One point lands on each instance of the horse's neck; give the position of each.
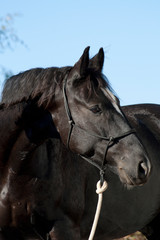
(19, 155)
(9, 129)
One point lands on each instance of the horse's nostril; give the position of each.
(143, 170)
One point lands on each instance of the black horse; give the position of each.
(86, 114)
(52, 191)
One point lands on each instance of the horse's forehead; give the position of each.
(110, 96)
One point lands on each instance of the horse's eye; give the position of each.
(95, 109)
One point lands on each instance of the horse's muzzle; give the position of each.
(137, 176)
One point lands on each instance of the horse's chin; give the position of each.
(128, 180)
(125, 179)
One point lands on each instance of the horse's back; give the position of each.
(147, 115)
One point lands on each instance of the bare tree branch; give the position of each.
(8, 35)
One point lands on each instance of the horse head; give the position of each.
(90, 122)
(86, 114)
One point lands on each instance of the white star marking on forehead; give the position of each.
(112, 99)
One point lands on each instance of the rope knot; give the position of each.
(101, 188)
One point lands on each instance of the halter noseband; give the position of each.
(110, 140)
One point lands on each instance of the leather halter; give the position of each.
(110, 140)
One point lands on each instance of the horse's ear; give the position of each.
(97, 61)
(80, 68)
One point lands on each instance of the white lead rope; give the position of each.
(99, 191)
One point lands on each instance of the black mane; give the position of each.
(40, 84)
(34, 83)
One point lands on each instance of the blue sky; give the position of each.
(56, 33)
